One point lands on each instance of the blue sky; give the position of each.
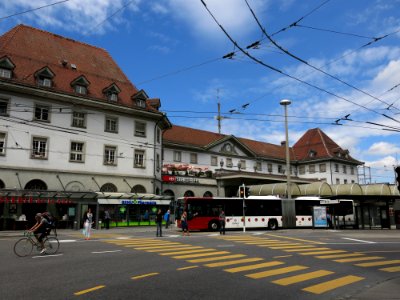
(173, 50)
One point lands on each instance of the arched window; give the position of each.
(2, 185)
(36, 184)
(188, 194)
(109, 188)
(139, 189)
(169, 193)
(208, 194)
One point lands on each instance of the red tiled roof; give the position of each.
(201, 138)
(323, 146)
(31, 49)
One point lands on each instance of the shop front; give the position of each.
(129, 209)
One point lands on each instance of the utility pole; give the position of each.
(219, 117)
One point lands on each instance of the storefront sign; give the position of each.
(178, 179)
(136, 201)
(33, 200)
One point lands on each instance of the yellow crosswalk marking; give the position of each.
(292, 247)
(306, 250)
(391, 269)
(199, 255)
(332, 284)
(183, 247)
(149, 244)
(295, 239)
(89, 290)
(254, 267)
(201, 260)
(263, 242)
(278, 244)
(324, 252)
(340, 255)
(358, 259)
(188, 251)
(233, 262)
(166, 246)
(302, 277)
(379, 263)
(276, 272)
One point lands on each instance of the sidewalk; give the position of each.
(383, 291)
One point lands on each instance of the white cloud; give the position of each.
(383, 148)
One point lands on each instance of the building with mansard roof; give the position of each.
(71, 124)
(203, 163)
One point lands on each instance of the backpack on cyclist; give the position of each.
(50, 220)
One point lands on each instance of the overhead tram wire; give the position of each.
(310, 65)
(334, 31)
(280, 71)
(33, 9)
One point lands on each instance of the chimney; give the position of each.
(283, 143)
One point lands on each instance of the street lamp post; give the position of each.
(285, 103)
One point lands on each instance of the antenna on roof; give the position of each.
(73, 66)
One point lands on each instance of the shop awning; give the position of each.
(274, 189)
(320, 189)
(40, 196)
(352, 189)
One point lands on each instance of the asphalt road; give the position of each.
(133, 263)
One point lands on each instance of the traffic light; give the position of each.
(397, 171)
(244, 191)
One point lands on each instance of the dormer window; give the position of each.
(80, 85)
(112, 92)
(140, 99)
(44, 77)
(312, 153)
(6, 67)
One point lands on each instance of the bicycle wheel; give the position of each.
(51, 244)
(23, 247)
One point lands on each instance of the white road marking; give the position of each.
(111, 251)
(46, 255)
(361, 241)
(67, 241)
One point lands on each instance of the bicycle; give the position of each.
(24, 246)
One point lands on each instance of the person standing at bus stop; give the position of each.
(222, 222)
(159, 218)
(166, 218)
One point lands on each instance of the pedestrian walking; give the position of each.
(184, 224)
(107, 218)
(222, 222)
(87, 224)
(159, 218)
(166, 218)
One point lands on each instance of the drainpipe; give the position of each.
(155, 171)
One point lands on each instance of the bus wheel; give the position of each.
(272, 225)
(213, 226)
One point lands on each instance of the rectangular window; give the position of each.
(177, 156)
(229, 163)
(141, 103)
(344, 169)
(80, 89)
(337, 181)
(46, 82)
(158, 135)
(258, 166)
(242, 164)
(322, 168)
(269, 166)
(112, 97)
(79, 119)
(280, 169)
(77, 152)
(3, 107)
(311, 169)
(336, 168)
(214, 161)
(345, 181)
(193, 158)
(139, 159)
(2, 143)
(302, 170)
(42, 113)
(39, 148)
(110, 155)
(111, 124)
(140, 128)
(5, 73)
(352, 170)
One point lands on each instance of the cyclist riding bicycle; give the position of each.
(40, 230)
